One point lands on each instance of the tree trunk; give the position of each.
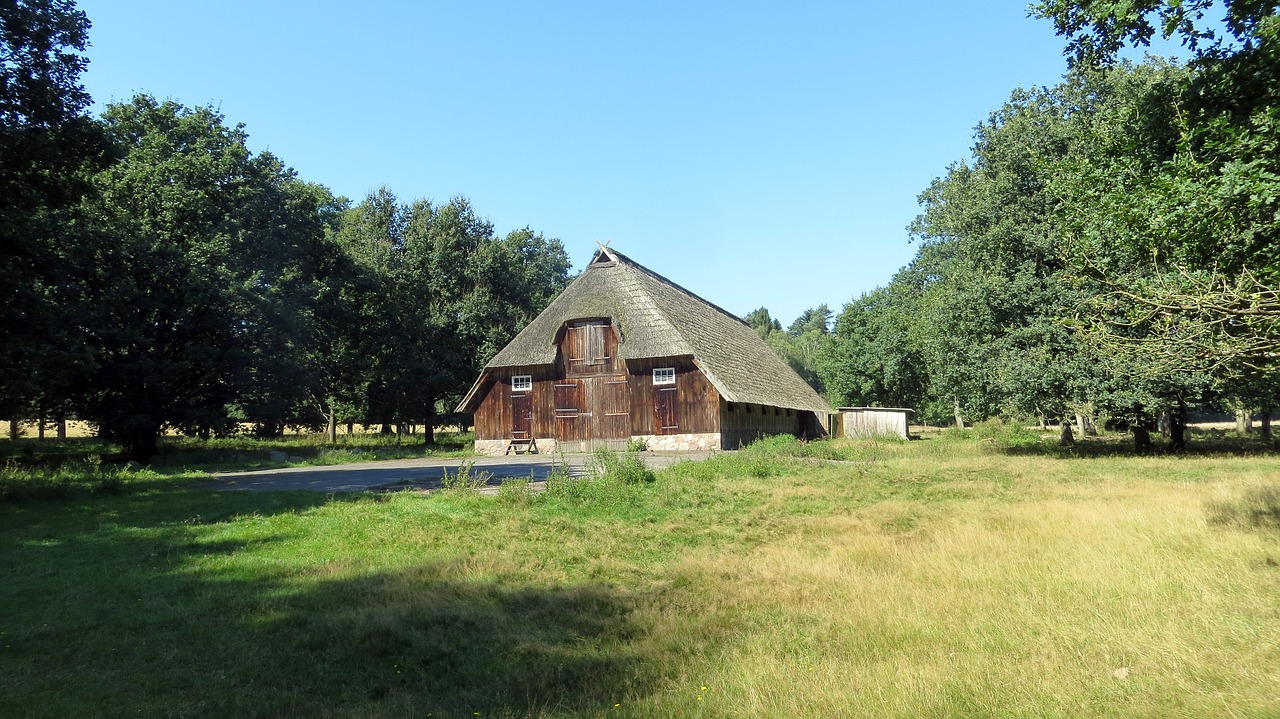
(1243, 420)
(959, 417)
(62, 427)
(429, 425)
(40, 428)
(1141, 438)
(13, 429)
(141, 445)
(1265, 430)
(351, 428)
(1178, 427)
(1066, 439)
(1084, 423)
(386, 429)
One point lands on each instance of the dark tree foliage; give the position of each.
(872, 358)
(1171, 205)
(194, 283)
(440, 294)
(1096, 30)
(762, 322)
(48, 149)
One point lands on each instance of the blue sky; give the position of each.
(760, 154)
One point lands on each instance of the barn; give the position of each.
(625, 354)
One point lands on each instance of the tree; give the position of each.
(190, 288)
(442, 294)
(871, 359)
(1096, 30)
(992, 293)
(760, 321)
(815, 319)
(1172, 211)
(48, 149)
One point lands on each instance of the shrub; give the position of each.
(464, 480)
(626, 468)
(516, 491)
(611, 482)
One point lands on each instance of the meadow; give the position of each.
(985, 576)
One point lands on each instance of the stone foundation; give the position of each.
(680, 442)
(652, 442)
(498, 447)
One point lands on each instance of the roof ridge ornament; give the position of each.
(604, 254)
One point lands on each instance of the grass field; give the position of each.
(940, 578)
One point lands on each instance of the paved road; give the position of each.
(415, 473)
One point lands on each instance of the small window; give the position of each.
(664, 375)
(522, 383)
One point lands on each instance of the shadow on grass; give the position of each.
(184, 454)
(217, 604)
(1198, 445)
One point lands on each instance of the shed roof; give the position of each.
(657, 318)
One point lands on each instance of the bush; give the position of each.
(464, 480)
(516, 491)
(612, 482)
(626, 468)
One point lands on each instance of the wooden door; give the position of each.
(615, 408)
(665, 419)
(521, 416)
(569, 420)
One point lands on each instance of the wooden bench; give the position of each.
(523, 446)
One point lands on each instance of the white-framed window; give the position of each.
(522, 383)
(664, 375)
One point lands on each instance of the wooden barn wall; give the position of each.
(744, 423)
(697, 406)
(589, 393)
(591, 408)
(493, 417)
(875, 423)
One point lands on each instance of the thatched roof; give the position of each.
(657, 318)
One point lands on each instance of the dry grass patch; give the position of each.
(1118, 601)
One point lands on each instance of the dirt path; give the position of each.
(422, 474)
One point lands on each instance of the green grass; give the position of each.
(878, 579)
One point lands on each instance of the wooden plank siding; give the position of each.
(618, 406)
(743, 423)
(494, 418)
(614, 406)
(696, 406)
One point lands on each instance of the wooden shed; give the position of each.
(625, 354)
(867, 422)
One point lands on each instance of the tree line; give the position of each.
(157, 274)
(1109, 251)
